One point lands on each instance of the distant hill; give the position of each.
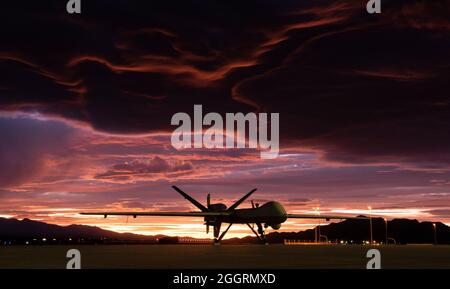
(26, 229)
(403, 231)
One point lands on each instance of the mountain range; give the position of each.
(400, 231)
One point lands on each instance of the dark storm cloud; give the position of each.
(361, 87)
(25, 145)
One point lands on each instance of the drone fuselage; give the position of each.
(271, 214)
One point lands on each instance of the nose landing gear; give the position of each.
(218, 238)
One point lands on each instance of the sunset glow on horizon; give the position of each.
(86, 103)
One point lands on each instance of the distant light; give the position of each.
(26, 243)
(369, 207)
(44, 239)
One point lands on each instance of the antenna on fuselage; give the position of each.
(254, 206)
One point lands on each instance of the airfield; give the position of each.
(226, 256)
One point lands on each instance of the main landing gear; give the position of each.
(260, 233)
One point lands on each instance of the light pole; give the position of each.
(370, 220)
(386, 232)
(315, 235)
(435, 237)
(318, 213)
(317, 230)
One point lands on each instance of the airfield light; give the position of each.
(435, 237)
(386, 230)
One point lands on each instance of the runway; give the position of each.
(225, 256)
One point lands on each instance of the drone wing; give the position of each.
(327, 217)
(135, 214)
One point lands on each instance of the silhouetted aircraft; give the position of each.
(271, 214)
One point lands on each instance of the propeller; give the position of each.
(208, 202)
(253, 206)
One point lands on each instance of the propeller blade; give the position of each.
(207, 228)
(235, 205)
(190, 199)
(253, 204)
(208, 200)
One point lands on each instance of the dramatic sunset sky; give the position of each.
(86, 102)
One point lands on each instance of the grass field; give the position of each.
(225, 256)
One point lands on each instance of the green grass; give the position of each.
(225, 256)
